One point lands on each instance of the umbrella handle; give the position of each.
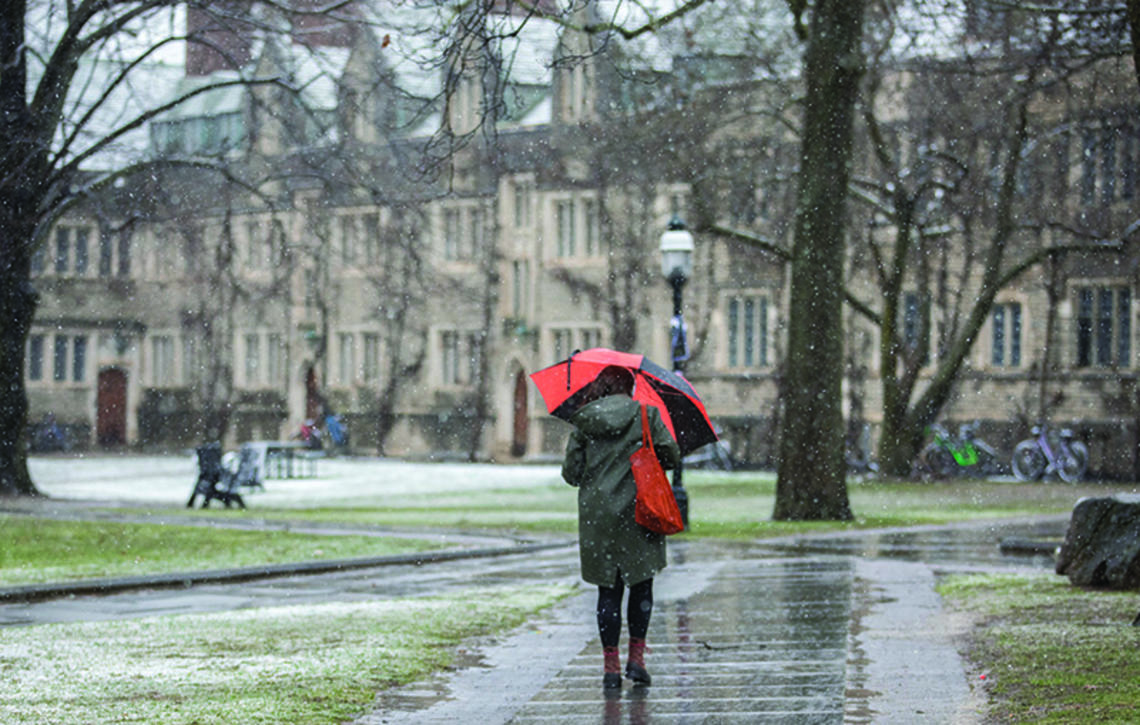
(569, 362)
(646, 435)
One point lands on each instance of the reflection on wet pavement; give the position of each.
(766, 641)
(977, 544)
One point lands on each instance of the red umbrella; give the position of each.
(563, 389)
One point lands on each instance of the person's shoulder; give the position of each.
(622, 403)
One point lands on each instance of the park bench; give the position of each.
(251, 466)
(217, 481)
(285, 459)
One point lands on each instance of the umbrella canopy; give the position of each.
(563, 387)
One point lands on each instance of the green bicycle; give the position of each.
(948, 454)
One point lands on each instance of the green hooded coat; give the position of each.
(606, 432)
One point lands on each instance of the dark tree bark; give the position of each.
(1134, 28)
(400, 293)
(482, 413)
(21, 166)
(17, 306)
(811, 483)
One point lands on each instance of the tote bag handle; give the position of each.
(656, 508)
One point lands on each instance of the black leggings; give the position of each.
(609, 610)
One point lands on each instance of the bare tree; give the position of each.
(228, 262)
(401, 293)
(956, 194)
(70, 96)
(944, 197)
(811, 480)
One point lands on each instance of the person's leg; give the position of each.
(640, 608)
(609, 628)
(609, 614)
(639, 612)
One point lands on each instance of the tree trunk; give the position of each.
(898, 441)
(23, 166)
(1134, 29)
(17, 307)
(1054, 291)
(811, 481)
(482, 415)
(896, 445)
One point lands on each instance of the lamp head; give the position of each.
(676, 251)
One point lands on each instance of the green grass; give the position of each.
(550, 508)
(307, 665)
(723, 505)
(740, 505)
(43, 550)
(1050, 652)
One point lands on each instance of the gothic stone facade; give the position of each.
(416, 306)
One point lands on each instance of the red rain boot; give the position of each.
(611, 680)
(635, 665)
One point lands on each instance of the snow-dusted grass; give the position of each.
(347, 490)
(296, 664)
(540, 507)
(733, 505)
(348, 482)
(1045, 651)
(44, 550)
(534, 498)
(740, 505)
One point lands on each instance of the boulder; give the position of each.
(1102, 546)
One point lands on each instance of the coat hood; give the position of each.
(607, 417)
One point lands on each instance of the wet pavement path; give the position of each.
(834, 629)
(761, 641)
(380, 582)
(823, 629)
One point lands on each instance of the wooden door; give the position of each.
(312, 394)
(111, 408)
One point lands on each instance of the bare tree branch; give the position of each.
(784, 255)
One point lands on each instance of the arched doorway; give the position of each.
(111, 408)
(521, 423)
(312, 394)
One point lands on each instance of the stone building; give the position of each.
(410, 240)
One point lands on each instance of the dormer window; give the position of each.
(466, 105)
(576, 101)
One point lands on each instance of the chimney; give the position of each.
(217, 39)
(335, 29)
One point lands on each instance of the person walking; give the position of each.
(615, 551)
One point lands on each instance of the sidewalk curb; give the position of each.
(901, 653)
(112, 585)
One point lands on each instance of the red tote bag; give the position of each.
(656, 508)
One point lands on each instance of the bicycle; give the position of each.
(948, 454)
(1036, 457)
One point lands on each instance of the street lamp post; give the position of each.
(677, 267)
